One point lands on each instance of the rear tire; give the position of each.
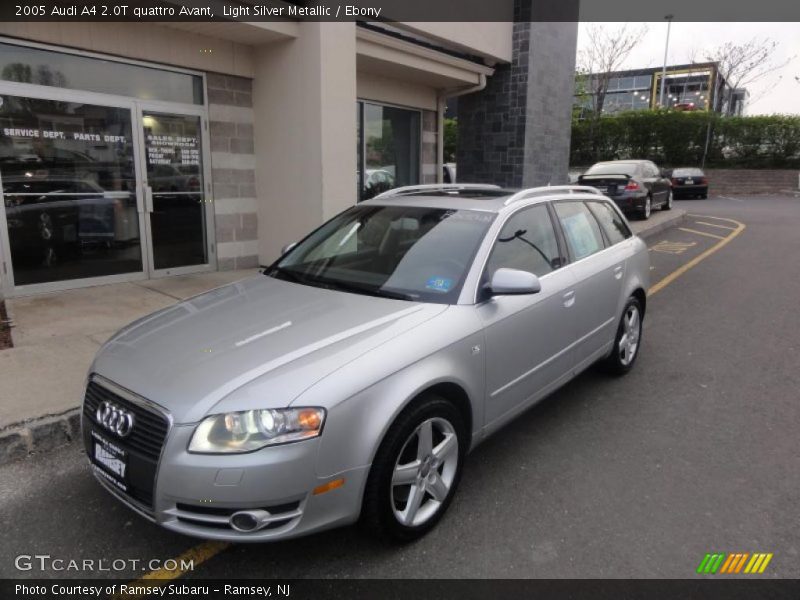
(668, 204)
(416, 471)
(645, 212)
(627, 341)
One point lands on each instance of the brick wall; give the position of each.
(429, 139)
(516, 131)
(743, 182)
(230, 109)
(491, 123)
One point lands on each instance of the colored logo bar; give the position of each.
(734, 562)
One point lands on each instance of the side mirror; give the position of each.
(288, 247)
(513, 281)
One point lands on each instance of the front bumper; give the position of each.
(195, 494)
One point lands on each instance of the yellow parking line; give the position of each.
(716, 225)
(699, 258)
(711, 235)
(161, 577)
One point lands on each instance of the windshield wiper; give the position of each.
(288, 274)
(346, 286)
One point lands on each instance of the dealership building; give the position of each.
(131, 151)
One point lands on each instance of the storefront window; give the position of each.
(69, 191)
(389, 148)
(22, 64)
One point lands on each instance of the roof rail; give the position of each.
(410, 189)
(548, 190)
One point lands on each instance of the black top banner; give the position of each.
(400, 10)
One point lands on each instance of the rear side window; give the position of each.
(614, 227)
(580, 228)
(527, 242)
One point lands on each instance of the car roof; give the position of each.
(478, 197)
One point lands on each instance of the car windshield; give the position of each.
(620, 168)
(687, 173)
(403, 252)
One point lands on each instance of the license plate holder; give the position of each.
(689, 181)
(110, 461)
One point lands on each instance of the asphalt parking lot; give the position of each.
(695, 451)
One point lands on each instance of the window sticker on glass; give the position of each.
(580, 234)
(439, 284)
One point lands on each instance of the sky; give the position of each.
(775, 93)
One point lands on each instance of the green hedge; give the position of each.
(671, 139)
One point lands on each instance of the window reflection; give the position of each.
(58, 69)
(388, 150)
(69, 190)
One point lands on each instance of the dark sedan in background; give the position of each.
(689, 183)
(636, 186)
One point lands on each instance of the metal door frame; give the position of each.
(136, 108)
(169, 109)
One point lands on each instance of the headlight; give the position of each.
(254, 429)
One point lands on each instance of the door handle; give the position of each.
(618, 272)
(148, 199)
(569, 298)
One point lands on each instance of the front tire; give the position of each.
(628, 339)
(416, 471)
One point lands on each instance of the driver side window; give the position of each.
(527, 242)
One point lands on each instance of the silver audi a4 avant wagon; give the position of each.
(350, 380)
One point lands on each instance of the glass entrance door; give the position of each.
(175, 192)
(69, 191)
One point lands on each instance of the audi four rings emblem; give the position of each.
(114, 418)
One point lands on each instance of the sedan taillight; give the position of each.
(632, 186)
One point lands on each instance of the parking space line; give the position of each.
(711, 235)
(161, 577)
(660, 285)
(715, 225)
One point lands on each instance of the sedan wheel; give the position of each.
(648, 207)
(415, 471)
(668, 204)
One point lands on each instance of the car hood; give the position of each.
(192, 355)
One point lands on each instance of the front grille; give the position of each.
(143, 445)
(149, 430)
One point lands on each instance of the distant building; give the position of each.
(696, 86)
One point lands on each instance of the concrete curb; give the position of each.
(41, 434)
(657, 228)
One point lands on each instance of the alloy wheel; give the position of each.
(424, 472)
(647, 207)
(669, 200)
(632, 329)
